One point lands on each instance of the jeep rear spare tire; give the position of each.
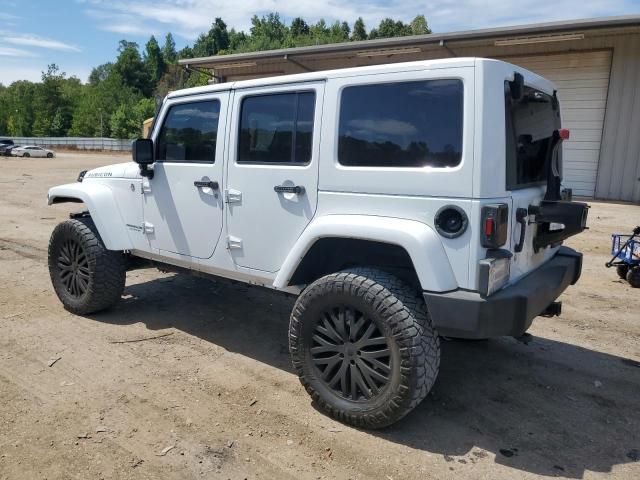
(86, 276)
(363, 346)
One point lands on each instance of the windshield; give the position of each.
(530, 123)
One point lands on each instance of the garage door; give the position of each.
(582, 80)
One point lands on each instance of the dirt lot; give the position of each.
(215, 397)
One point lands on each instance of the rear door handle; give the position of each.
(521, 218)
(297, 189)
(210, 184)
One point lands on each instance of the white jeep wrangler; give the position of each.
(399, 202)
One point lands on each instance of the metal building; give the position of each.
(594, 62)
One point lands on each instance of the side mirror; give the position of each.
(142, 152)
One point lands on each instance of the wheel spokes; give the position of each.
(351, 353)
(73, 268)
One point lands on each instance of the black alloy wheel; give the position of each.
(73, 268)
(351, 354)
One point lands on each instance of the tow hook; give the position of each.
(553, 310)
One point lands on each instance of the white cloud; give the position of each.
(29, 40)
(15, 52)
(189, 18)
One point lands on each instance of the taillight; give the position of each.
(495, 223)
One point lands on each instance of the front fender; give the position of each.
(99, 200)
(419, 240)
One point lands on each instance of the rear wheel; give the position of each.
(86, 276)
(622, 271)
(363, 346)
(633, 277)
(49, 155)
(26, 154)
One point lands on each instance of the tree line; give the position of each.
(119, 95)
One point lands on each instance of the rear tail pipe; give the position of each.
(553, 310)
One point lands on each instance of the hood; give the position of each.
(118, 170)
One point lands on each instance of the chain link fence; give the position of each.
(75, 143)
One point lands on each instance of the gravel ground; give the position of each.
(214, 396)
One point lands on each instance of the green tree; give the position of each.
(339, 32)
(299, 27)
(126, 121)
(214, 41)
(50, 103)
(169, 50)
(237, 41)
(20, 102)
(100, 73)
(154, 61)
(359, 31)
(267, 32)
(96, 105)
(419, 26)
(131, 69)
(390, 28)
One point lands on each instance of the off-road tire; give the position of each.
(400, 315)
(103, 271)
(622, 271)
(633, 277)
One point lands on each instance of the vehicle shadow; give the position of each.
(544, 407)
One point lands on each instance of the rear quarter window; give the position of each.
(404, 124)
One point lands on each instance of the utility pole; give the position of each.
(101, 134)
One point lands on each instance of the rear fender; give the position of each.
(419, 240)
(99, 200)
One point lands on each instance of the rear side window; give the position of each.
(530, 123)
(277, 128)
(409, 124)
(189, 133)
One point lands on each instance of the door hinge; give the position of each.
(233, 242)
(232, 196)
(148, 228)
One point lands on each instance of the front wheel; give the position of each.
(49, 155)
(364, 347)
(86, 276)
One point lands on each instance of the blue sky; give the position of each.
(81, 34)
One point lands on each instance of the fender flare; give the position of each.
(419, 240)
(102, 206)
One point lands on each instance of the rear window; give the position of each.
(408, 124)
(276, 129)
(530, 123)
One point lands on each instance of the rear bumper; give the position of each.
(510, 311)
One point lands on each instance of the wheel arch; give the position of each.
(330, 238)
(103, 208)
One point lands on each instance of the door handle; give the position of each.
(210, 184)
(297, 189)
(521, 218)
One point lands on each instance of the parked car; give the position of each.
(7, 150)
(6, 141)
(32, 151)
(397, 202)
(6, 146)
